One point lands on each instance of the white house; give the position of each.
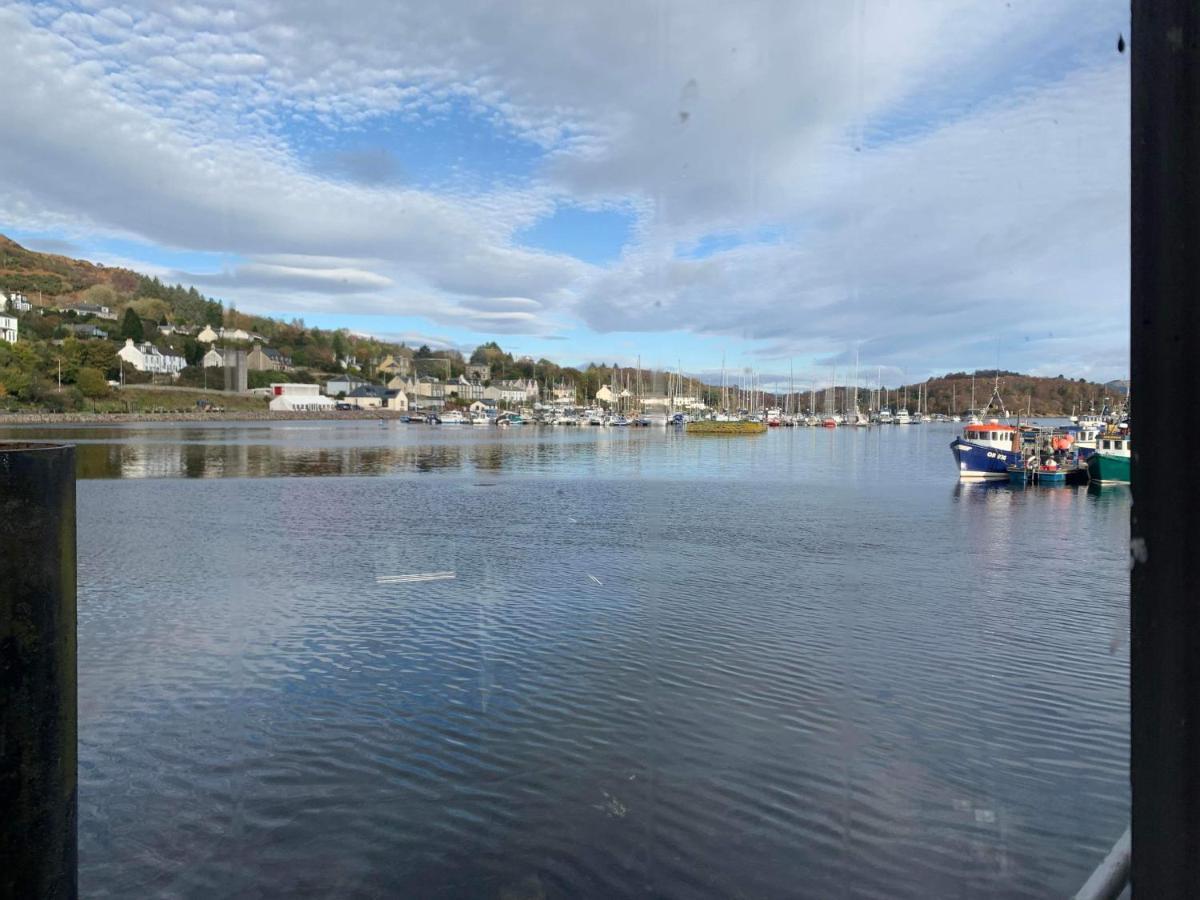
(236, 334)
(8, 328)
(95, 309)
(145, 357)
(18, 303)
(299, 398)
(369, 396)
(518, 391)
(504, 393)
(605, 394)
(207, 335)
(213, 359)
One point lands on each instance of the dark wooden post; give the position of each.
(1165, 526)
(38, 838)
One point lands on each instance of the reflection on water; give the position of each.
(805, 663)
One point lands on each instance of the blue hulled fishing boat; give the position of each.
(986, 451)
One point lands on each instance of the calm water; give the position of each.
(803, 664)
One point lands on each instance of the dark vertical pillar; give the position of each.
(37, 672)
(1165, 525)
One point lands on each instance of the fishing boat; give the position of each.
(1110, 463)
(985, 451)
(1049, 470)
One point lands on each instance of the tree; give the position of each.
(131, 325)
(214, 315)
(340, 348)
(481, 357)
(193, 353)
(101, 295)
(91, 383)
(423, 352)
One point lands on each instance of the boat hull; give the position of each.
(1104, 468)
(979, 462)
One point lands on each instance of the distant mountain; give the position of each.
(1120, 386)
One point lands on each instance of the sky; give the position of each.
(785, 186)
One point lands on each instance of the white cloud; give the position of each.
(938, 174)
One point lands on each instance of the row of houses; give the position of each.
(259, 359)
(145, 357)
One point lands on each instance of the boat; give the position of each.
(620, 422)
(885, 416)
(454, 417)
(774, 417)
(1110, 463)
(985, 451)
(829, 422)
(480, 419)
(1049, 470)
(902, 418)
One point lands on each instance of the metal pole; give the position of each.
(1165, 522)
(38, 840)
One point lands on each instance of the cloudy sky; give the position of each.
(929, 185)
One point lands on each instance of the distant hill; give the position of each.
(54, 276)
(952, 395)
(50, 280)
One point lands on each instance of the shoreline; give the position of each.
(233, 415)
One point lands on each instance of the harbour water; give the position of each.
(805, 663)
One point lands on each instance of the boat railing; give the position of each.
(1112, 875)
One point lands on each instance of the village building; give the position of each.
(343, 384)
(265, 359)
(299, 398)
(85, 331)
(394, 365)
(8, 328)
(95, 309)
(463, 389)
(145, 357)
(16, 301)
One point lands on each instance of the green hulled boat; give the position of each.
(1110, 463)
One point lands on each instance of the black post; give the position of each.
(1165, 524)
(38, 840)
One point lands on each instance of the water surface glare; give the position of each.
(807, 663)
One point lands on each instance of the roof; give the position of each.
(368, 390)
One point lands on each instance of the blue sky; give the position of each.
(925, 184)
